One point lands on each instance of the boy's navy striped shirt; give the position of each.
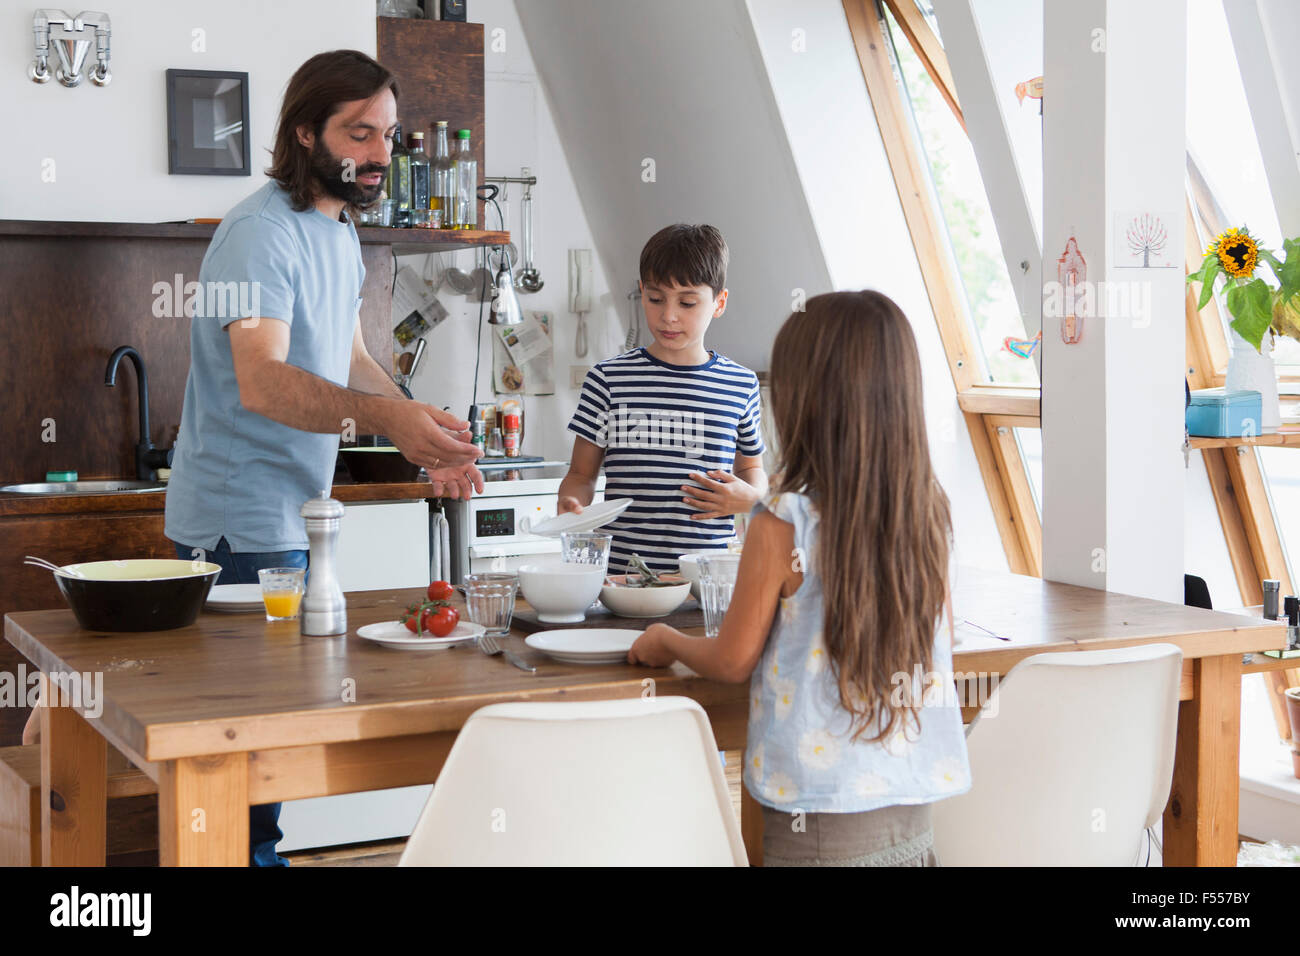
(657, 423)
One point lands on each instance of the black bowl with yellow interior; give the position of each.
(151, 594)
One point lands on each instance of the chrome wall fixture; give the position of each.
(71, 39)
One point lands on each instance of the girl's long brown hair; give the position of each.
(315, 92)
(849, 417)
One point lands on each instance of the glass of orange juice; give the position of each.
(282, 592)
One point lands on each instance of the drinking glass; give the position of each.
(717, 581)
(587, 547)
(282, 592)
(490, 598)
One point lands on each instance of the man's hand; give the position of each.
(428, 436)
(456, 482)
(566, 504)
(718, 494)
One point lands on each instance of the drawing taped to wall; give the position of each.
(1072, 274)
(1142, 241)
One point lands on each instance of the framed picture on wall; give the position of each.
(207, 123)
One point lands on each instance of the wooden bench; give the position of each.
(132, 808)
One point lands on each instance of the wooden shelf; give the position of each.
(1288, 436)
(404, 241)
(1018, 400)
(415, 242)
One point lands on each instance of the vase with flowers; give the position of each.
(1259, 309)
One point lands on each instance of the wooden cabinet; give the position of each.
(439, 70)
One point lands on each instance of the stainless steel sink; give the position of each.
(111, 487)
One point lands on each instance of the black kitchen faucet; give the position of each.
(148, 459)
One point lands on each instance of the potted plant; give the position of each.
(1256, 308)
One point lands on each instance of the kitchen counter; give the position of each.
(15, 504)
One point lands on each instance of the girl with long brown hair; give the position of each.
(835, 618)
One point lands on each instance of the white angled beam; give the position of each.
(1263, 35)
(1112, 408)
(999, 170)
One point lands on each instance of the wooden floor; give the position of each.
(387, 852)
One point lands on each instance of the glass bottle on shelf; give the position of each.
(419, 175)
(442, 174)
(401, 167)
(464, 214)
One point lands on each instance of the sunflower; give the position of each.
(1237, 251)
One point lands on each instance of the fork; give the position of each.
(489, 646)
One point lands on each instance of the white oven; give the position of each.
(485, 532)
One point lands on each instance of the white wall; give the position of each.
(521, 131)
(822, 99)
(680, 83)
(109, 145)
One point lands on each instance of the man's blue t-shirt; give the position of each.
(235, 473)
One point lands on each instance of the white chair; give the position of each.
(597, 783)
(1071, 760)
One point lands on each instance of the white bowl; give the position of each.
(642, 602)
(688, 565)
(560, 593)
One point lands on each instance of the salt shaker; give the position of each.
(323, 609)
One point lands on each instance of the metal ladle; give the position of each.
(528, 280)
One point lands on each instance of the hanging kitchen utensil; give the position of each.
(481, 279)
(497, 257)
(460, 281)
(529, 279)
(634, 321)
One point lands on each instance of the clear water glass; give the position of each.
(586, 547)
(717, 581)
(490, 599)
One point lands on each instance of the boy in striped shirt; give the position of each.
(676, 426)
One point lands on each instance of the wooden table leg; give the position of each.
(74, 789)
(751, 827)
(1200, 822)
(203, 811)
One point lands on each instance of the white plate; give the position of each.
(591, 518)
(395, 634)
(235, 598)
(585, 645)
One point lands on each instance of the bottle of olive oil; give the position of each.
(441, 178)
(465, 208)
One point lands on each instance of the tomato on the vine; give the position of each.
(441, 621)
(440, 591)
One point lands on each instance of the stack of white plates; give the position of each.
(235, 599)
(585, 645)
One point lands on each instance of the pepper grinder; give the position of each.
(1272, 590)
(324, 611)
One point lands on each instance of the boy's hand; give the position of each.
(566, 504)
(649, 648)
(722, 494)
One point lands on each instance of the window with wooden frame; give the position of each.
(994, 412)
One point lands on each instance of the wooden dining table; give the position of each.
(234, 711)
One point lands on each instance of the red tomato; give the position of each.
(442, 621)
(440, 591)
(411, 620)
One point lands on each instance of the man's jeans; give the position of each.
(264, 820)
